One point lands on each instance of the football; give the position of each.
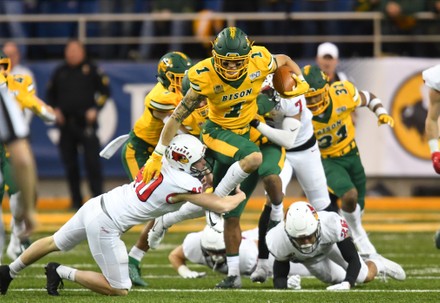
(282, 79)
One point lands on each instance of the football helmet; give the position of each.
(303, 227)
(171, 69)
(213, 246)
(5, 62)
(231, 46)
(183, 152)
(317, 95)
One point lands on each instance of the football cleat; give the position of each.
(134, 271)
(260, 274)
(16, 247)
(157, 233)
(215, 221)
(54, 281)
(5, 279)
(230, 282)
(391, 269)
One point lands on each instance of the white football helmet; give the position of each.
(213, 246)
(303, 227)
(183, 151)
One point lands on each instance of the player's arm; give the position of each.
(190, 102)
(211, 201)
(351, 256)
(375, 105)
(165, 116)
(432, 127)
(284, 137)
(280, 271)
(301, 85)
(178, 262)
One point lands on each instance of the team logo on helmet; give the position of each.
(178, 157)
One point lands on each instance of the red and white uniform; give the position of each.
(305, 161)
(325, 262)
(103, 219)
(248, 253)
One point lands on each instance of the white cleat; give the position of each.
(215, 221)
(157, 233)
(391, 269)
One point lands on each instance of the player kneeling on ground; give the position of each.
(103, 219)
(320, 241)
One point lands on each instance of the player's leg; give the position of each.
(134, 154)
(273, 161)
(310, 174)
(339, 180)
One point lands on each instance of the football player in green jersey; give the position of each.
(332, 106)
(231, 80)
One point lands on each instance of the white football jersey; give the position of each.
(334, 229)
(431, 76)
(137, 202)
(289, 108)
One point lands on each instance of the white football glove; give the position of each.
(187, 273)
(294, 282)
(341, 286)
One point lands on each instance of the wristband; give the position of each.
(160, 149)
(372, 104)
(183, 270)
(380, 111)
(433, 145)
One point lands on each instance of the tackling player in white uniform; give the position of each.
(320, 241)
(207, 247)
(103, 219)
(431, 76)
(292, 129)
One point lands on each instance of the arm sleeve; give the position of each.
(349, 253)
(280, 271)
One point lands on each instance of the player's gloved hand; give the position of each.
(255, 123)
(294, 282)
(270, 92)
(385, 119)
(341, 286)
(435, 157)
(152, 167)
(301, 86)
(187, 273)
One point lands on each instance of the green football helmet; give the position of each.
(5, 62)
(317, 96)
(231, 46)
(171, 69)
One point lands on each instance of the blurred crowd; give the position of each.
(399, 20)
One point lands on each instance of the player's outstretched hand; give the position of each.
(152, 167)
(385, 119)
(341, 286)
(187, 273)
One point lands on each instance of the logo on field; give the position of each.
(409, 109)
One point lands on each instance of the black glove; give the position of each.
(255, 123)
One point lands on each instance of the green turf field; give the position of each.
(414, 251)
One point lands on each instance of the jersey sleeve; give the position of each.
(333, 226)
(278, 243)
(161, 99)
(263, 60)
(200, 76)
(431, 76)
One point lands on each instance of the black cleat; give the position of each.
(230, 282)
(5, 279)
(54, 280)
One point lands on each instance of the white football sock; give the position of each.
(15, 267)
(66, 272)
(277, 212)
(233, 265)
(136, 253)
(234, 176)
